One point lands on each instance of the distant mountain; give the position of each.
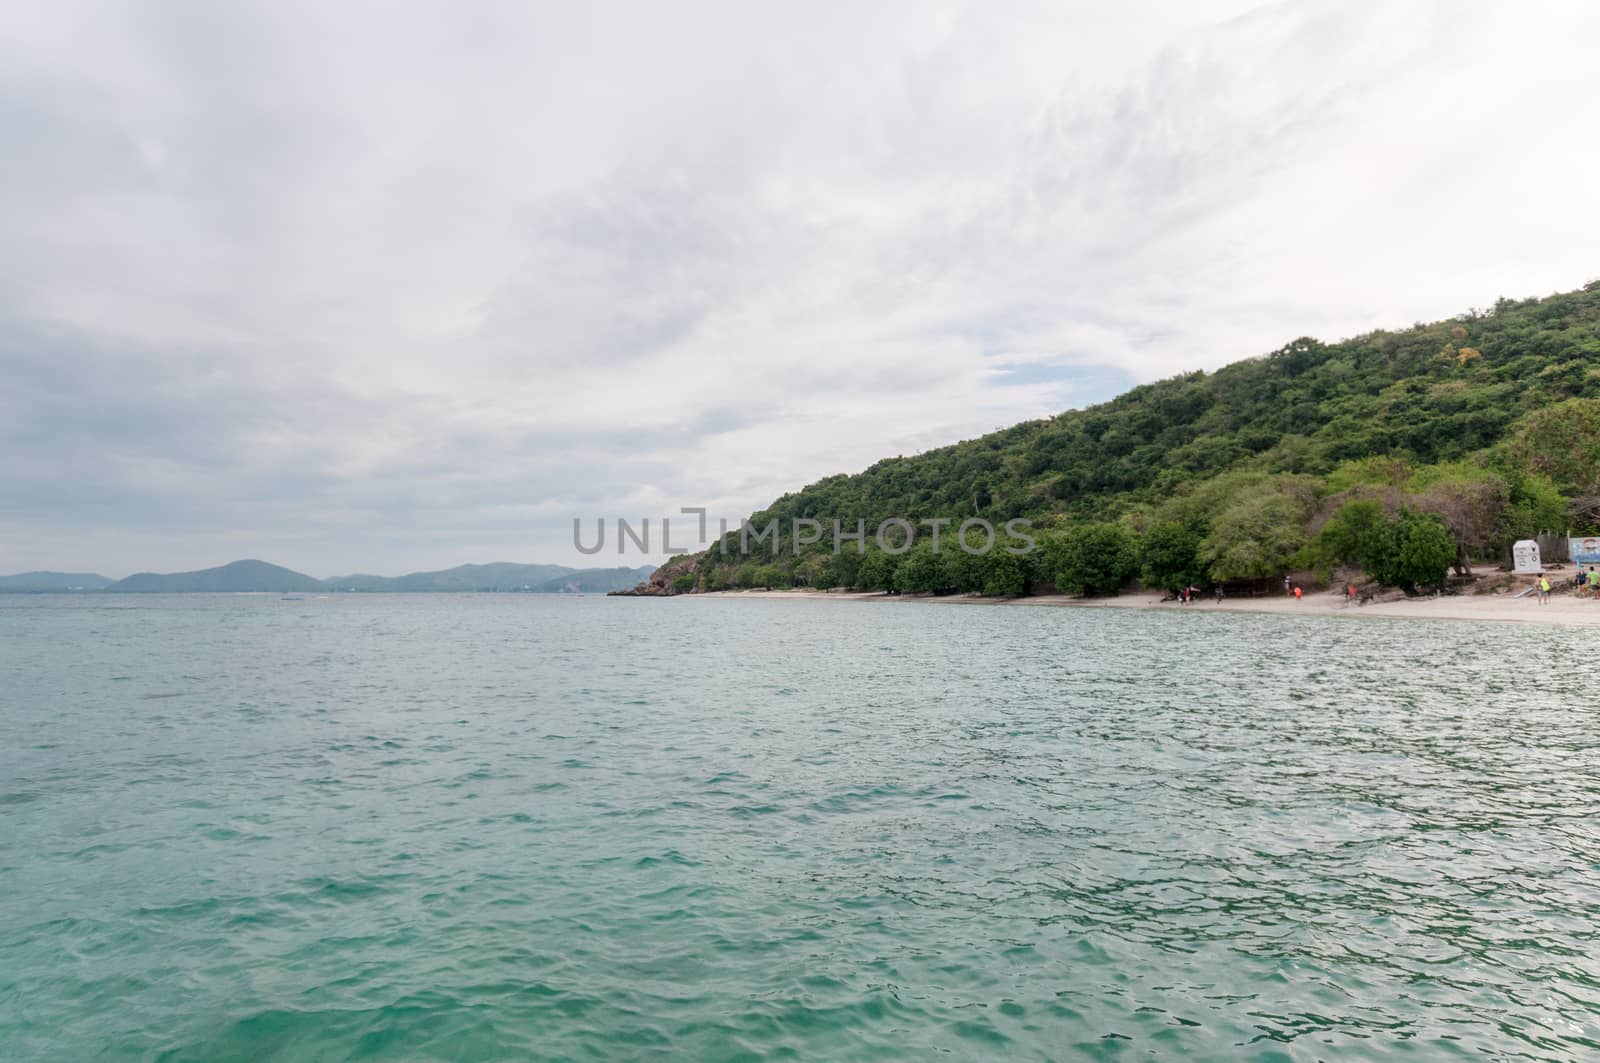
(54, 581)
(238, 576)
(499, 576)
(259, 576)
(596, 580)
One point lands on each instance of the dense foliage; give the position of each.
(1093, 558)
(1170, 558)
(1405, 549)
(1484, 428)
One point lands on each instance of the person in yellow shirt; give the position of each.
(1544, 590)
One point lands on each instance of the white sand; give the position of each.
(1564, 608)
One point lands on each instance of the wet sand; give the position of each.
(1563, 608)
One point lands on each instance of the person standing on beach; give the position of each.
(1288, 586)
(1297, 592)
(1544, 590)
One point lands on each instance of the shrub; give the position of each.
(1094, 558)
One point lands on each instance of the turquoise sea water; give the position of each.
(504, 827)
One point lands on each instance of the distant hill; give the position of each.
(596, 580)
(504, 577)
(54, 581)
(238, 576)
(498, 576)
(259, 576)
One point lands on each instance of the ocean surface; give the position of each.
(516, 827)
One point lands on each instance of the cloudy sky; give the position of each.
(390, 286)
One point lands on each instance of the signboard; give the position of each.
(1525, 558)
(1584, 551)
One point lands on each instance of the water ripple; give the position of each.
(497, 827)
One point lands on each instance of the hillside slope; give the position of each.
(1503, 402)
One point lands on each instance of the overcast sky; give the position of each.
(389, 286)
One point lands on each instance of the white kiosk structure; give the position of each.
(1525, 558)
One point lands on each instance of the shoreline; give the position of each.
(1564, 610)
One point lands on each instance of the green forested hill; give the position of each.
(1489, 422)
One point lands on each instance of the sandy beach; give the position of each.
(1563, 608)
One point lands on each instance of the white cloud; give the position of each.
(388, 286)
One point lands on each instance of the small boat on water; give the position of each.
(292, 598)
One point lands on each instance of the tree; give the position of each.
(962, 572)
(1586, 513)
(1472, 506)
(1004, 575)
(1095, 558)
(920, 571)
(1261, 531)
(876, 572)
(1563, 443)
(1297, 356)
(825, 576)
(843, 567)
(1536, 506)
(1412, 550)
(1352, 534)
(1170, 557)
(772, 576)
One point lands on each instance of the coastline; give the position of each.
(1563, 610)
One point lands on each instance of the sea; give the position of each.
(524, 827)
